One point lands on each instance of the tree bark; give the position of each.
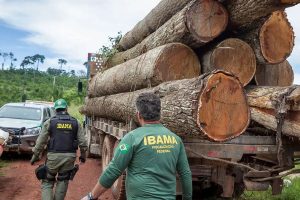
(263, 102)
(274, 75)
(243, 12)
(155, 19)
(232, 55)
(272, 40)
(165, 63)
(212, 105)
(196, 24)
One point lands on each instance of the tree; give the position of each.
(72, 72)
(62, 62)
(81, 73)
(26, 61)
(86, 64)
(4, 56)
(53, 71)
(109, 51)
(12, 59)
(37, 58)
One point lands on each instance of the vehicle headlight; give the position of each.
(32, 131)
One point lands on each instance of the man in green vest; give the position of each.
(63, 134)
(152, 155)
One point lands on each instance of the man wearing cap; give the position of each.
(63, 134)
(152, 155)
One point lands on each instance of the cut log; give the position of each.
(232, 55)
(274, 75)
(242, 13)
(196, 24)
(155, 19)
(165, 63)
(263, 102)
(212, 105)
(273, 40)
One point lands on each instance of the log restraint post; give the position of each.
(263, 101)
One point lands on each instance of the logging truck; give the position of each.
(254, 160)
(225, 86)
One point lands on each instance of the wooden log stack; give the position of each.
(215, 64)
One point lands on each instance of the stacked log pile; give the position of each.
(215, 64)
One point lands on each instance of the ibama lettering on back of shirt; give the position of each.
(159, 139)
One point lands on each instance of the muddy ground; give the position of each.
(18, 181)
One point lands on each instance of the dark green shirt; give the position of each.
(152, 155)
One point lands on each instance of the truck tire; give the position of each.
(107, 151)
(88, 139)
(118, 188)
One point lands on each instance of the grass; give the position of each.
(74, 112)
(289, 193)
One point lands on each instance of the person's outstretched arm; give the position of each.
(122, 157)
(185, 175)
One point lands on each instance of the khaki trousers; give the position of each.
(57, 163)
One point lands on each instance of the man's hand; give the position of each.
(89, 197)
(34, 159)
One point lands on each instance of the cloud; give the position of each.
(294, 16)
(72, 29)
(297, 78)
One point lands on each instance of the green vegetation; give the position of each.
(106, 52)
(289, 193)
(15, 85)
(74, 112)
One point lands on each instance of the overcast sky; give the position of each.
(70, 29)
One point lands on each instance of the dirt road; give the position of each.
(18, 181)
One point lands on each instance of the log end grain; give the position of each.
(177, 61)
(274, 75)
(276, 38)
(207, 20)
(235, 56)
(223, 111)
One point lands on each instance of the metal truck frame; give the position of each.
(223, 169)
